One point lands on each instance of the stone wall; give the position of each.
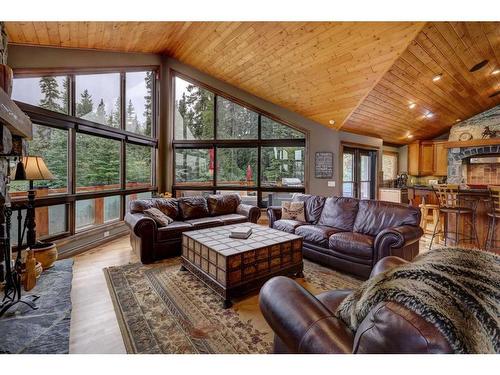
(474, 127)
(471, 129)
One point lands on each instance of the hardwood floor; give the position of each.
(94, 328)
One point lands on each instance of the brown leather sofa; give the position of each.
(152, 243)
(304, 323)
(351, 235)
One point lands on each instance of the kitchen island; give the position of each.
(481, 197)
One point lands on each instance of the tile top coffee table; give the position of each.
(233, 267)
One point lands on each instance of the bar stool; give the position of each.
(451, 202)
(493, 216)
(430, 214)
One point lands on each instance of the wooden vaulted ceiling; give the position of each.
(363, 75)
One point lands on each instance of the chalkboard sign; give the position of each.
(324, 165)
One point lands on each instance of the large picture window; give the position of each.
(49, 92)
(52, 145)
(98, 98)
(139, 102)
(194, 111)
(223, 146)
(97, 163)
(100, 158)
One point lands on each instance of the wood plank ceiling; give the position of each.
(363, 75)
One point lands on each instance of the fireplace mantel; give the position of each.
(472, 143)
(11, 115)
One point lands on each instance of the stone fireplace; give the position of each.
(15, 128)
(475, 130)
(461, 171)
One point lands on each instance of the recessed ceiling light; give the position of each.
(409, 136)
(478, 66)
(437, 77)
(332, 122)
(495, 72)
(412, 105)
(429, 115)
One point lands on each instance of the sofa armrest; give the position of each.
(251, 212)
(386, 264)
(273, 213)
(140, 224)
(395, 238)
(302, 322)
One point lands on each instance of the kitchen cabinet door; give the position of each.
(426, 159)
(440, 159)
(413, 158)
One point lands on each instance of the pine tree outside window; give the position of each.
(98, 98)
(48, 92)
(224, 144)
(92, 187)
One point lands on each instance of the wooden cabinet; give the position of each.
(426, 158)
(413, 158)
(440, 159)
(426, 164)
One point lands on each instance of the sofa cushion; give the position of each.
(293, 211)
(374, 216)
(205, 222)
(159, 217)
(169, 206)
(192, 207)
(223, 204)
(353, 244)
(313, 205)
(339, 212)
(316, 234)
(287, 225)
(173, 230)
(232, 219)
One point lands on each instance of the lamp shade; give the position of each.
(34, 169)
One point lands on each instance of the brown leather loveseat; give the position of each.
(153, 243)
(351, 235)
(304, 323)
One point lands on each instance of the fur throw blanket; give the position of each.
(456, 290)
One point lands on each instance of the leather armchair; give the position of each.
(304, 323)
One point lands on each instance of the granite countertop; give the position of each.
(429, 187)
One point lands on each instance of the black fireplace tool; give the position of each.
(13, 284)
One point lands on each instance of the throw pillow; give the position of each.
(293, 211)
(159, 217)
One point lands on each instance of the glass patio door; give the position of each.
(358, 173)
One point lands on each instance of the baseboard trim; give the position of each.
(71, 252)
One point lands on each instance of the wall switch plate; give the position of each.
(331, 183)
(106, 234)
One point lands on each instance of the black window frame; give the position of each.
(216, 143)
(75, 125)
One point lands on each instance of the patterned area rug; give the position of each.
(163, 310)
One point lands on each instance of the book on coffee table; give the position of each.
(240, 232)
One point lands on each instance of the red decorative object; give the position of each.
(249, 173)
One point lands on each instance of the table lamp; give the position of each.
(31, 168)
